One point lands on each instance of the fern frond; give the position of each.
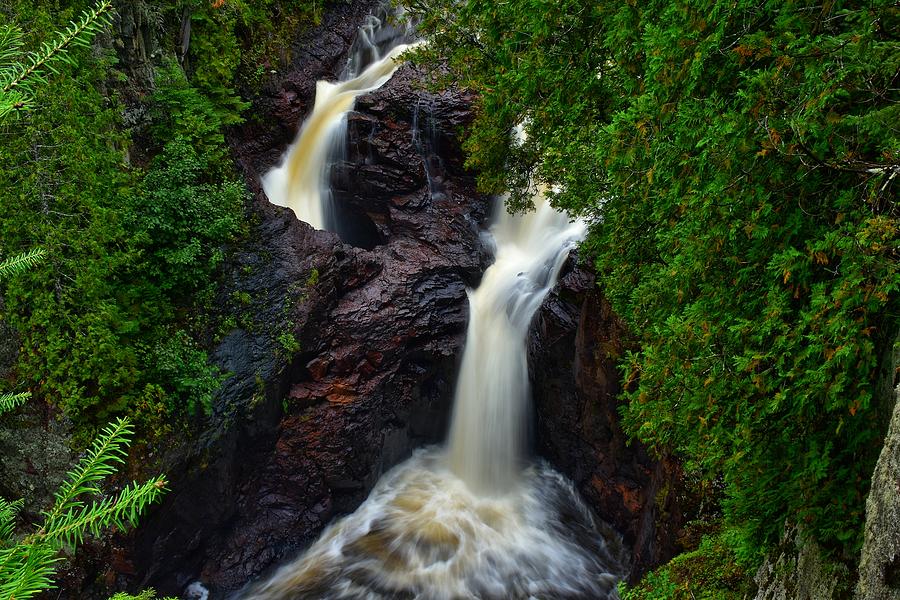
(8, 513)
(19, 80)
(9, 401)
(21, 262)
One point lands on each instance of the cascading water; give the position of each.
(300, 182)
(472, 521)
(487, 434)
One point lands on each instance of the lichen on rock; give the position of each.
(879, 569)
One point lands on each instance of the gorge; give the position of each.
(347, 422)
(449, 299)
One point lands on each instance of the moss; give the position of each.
(709, 572)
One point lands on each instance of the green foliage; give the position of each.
(738, 162)
(20, 262)
(656, 585)
(710, 572)
(9, 400)
(180, 111)
(21, 74)
(186, 369)
(145, 595)
(313, 279)
(288, 343)
(233, 41)
(182, 217)
(28, 562)
(109, 323)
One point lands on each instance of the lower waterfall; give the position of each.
(473, 520)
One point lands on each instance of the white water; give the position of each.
(487, 435)
(423, 534)
(472, 520)
(300, 182)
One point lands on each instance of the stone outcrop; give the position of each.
(879, 569)
(575, 384)
(799, 569)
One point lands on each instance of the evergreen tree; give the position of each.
(29, 560)
(739, 163)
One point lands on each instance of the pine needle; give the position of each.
(9, 401)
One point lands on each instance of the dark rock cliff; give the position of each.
(575, 343)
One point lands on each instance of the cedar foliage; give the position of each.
(739, 162)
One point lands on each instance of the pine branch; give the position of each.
(26, 570)
(105, 453)
(9, 401)
(27, 567)
(8, 513)
(19, 80)
(21, 262)
(71, 518)
(10, 43)
(119, 512)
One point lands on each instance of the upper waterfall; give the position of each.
(300, 182)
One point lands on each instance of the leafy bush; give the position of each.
(710, 572)
(109, 323)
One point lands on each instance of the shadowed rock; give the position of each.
(574, 351)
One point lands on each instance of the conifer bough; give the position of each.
(20, 75)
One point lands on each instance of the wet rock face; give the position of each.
(879, 569)
(576, 342)
(343, 358)
(799, 569)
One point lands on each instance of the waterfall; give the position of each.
(475, 519)
(487, 434)
(300, 182)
